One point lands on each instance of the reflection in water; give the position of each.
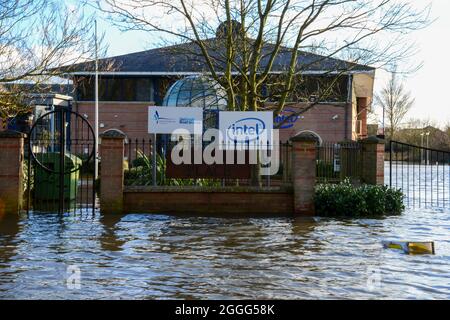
(159, 256)
(108, 240)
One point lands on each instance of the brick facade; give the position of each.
(332, 122)
(128, 117)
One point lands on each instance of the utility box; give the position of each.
(49, 182)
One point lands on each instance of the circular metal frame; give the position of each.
(65, 110)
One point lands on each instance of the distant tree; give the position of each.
(35, 37)
(396, 102)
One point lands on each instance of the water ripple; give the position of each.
(142, 256)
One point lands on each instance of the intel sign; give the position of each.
(286, 119)
(248, 128)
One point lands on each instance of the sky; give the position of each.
(428, 85)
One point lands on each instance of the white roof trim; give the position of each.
(176, 73)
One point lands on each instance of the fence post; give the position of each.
(111, 173)
(11, 172)
(304, 172)
(372, 160)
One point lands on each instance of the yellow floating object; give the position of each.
(421, 247)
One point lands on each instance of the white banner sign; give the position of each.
(169, 119)
(252, 129)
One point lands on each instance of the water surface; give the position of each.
(143, 256)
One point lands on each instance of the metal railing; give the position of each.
(138, 156)
(337, 161)
(423, 174)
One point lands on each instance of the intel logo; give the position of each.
(247, 129)
(287, 118)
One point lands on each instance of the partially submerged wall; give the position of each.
(209, 201)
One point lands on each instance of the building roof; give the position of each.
(185, 59)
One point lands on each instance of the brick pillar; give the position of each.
(304, 170)
(111, 173)
(11, 172)
(372, 171)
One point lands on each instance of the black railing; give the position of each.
(423, 174)
(139, 167)
(337, 161)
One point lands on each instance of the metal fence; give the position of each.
(423, 174)
(139, 169)
(59, 167)
(337, 161)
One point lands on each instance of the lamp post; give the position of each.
(421, 144)
(96, 107)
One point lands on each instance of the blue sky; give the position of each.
(428, 85)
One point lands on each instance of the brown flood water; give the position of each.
(143, 256)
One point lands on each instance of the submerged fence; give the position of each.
(139, 170)
(423, 174)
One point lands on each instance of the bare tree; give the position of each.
(239, 40)
(36, 36)
(396, 102)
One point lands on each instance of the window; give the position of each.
(116, 89)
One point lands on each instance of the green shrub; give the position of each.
(344, 199)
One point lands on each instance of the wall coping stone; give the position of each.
(229, 189)
(12, 134)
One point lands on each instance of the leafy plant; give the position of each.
(344, 199)
(141, 173)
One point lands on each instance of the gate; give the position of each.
(423, 174)
(60, 163)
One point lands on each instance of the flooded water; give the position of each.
(140, 256)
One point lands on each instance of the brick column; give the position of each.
(11, 172)
(111, 173)
(372, 171)
(304, 171)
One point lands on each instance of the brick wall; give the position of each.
(210, 201)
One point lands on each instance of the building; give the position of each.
(141, 79)
(37, 99)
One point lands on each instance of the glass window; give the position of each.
(115, 87)
(144, 89)
(129, 89)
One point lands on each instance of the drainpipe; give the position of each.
(349, 102)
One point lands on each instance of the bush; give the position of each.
(344, 199)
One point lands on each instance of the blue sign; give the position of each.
(291, 117)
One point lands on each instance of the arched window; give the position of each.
(313, 133)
